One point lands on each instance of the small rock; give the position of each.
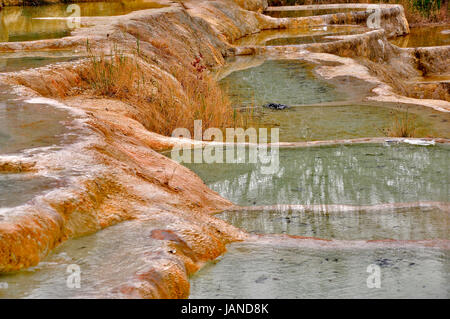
(276, 106)
(261, 279)
(383, 262)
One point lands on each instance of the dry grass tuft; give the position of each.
(113, 75)
(163, 101)
(182, 4)
(403, 125)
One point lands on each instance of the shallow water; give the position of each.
(427, 36)
(26, 126)
(272, 271)
(308, 13)
(364, 174)
(17, 189)
(289, 82)
(311, 123)
(415, 223)
(41, 22)
(313, 34)
(11, 62)
(28, 130)
(107, 259)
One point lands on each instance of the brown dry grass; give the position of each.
(403, 125)
(182, 3)
(113, 75)
(163, 101)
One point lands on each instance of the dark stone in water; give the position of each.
(383, 262)
(261, 279)
(276, 106)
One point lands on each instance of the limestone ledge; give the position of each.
(391, 18)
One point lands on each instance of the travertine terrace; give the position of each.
(123, 177)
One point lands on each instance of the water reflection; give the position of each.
(426, 36)
(356, 174)
(414, 223)
(44, 22)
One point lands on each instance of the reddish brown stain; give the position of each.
(163, 234)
